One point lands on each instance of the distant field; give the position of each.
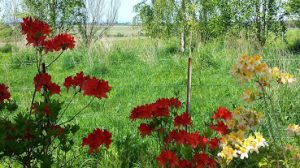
(129, 31)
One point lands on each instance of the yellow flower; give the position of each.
(248, 96)
(243, 152)
(250, 144)
(293, 130)
(231, 123)
(261, 141)
(275, 73)
(227, 153)
(286, 78)
(261, 68)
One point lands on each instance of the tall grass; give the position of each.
(142, 70)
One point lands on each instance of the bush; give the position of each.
(120, 35)
(295, 47)
(5, 31)
(22, 59)
(7, 48)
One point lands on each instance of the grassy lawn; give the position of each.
(140, 71)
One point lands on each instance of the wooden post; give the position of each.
(189, 86)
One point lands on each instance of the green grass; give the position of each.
(140, 71)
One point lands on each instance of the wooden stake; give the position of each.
(189, 86)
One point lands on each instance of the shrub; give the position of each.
(7, 48)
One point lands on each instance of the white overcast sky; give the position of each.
(126, 13)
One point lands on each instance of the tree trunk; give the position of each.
(182, 41)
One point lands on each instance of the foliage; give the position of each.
(294, 9)
(62, 15)
(190, 19)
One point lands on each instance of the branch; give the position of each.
(54, 59)
(69, 103)
(72, 118)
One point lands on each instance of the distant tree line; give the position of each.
(207, 19)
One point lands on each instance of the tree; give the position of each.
(62, 15)
(10, 11)
(98, 17)
(207, 19)
(294, 10)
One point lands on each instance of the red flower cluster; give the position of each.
(43, 80)
(168, 158)
(4, 93)
(160, 118)
(37, 31)
(160, 108)
(95, 139)
(145, 129)
(221, 128)
(182, 120)
(202, 160)
(194, 140)
(89, 86)
(60, 42)
(222, 113)
(183, 137)
(214, 143)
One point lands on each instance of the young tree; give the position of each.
(268, 19)
(98, 17)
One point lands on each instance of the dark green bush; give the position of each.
(7, 48)
(295, 47)
(22, 59)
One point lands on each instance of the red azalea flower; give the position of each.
(221, 128)
(167, 158)
(35, 31)
(214, 143)
(203, 141)
(95, 139)
(58, 130)
(60, 42)
(185, 164)
(75, 81)
(203, 160)
(184, 119)
(183, 137)
(160, 108)
(145, 129)
(172, 102)
(43, 80)
(222, 113)
(141, 112)
(96, 88)
(4, 93)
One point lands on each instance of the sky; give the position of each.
(126, 13)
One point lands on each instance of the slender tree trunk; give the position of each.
(182, 42)
(258, 20)
(183, 28)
